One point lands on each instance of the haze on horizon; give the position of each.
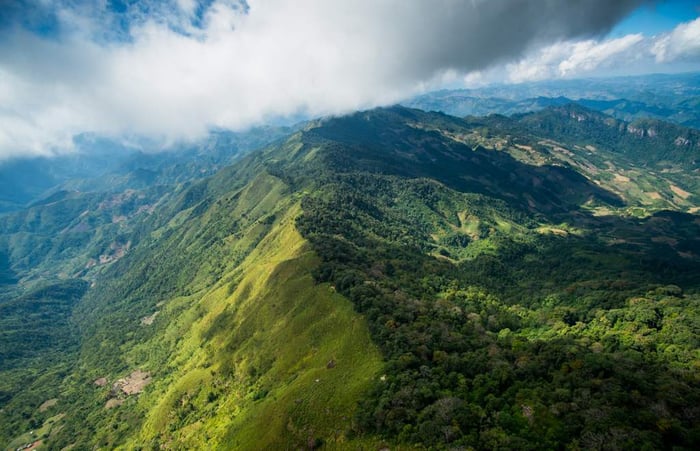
(172, 70)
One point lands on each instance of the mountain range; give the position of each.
(669, 97)
(392, 278)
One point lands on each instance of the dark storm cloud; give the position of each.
(471, 35)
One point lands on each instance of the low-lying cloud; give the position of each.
(173, 72)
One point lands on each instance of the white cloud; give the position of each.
(572, 58)
(173, 80)
(576, 58)
(682, 43)
(540, 65)
(588, 55)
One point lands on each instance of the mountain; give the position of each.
(672, 98)
(390, 278)
(102, 164)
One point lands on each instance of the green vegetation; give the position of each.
(278, 362)
(646, 142)
(535, 342)
(37, 341)
(243, 340)
(390, 278)
(499, 336)
(7, 275)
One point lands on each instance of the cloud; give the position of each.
(589, 55)
(173, 70)
(576, 58)
(682, 43)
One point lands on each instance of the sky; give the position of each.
(172, 70)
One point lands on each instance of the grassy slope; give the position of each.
(265, 346)
(239, 354)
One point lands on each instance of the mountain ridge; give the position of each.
(387, 278)
(669, 97)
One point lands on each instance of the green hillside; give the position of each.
(389, 278)
(502, 329)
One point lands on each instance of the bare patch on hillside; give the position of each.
(116, 251)
(679, 191)
(114, 402)
(552, 230)
(46, 405)
(132, 384)
(148, 320)
(34, 445)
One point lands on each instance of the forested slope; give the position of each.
(505, 323)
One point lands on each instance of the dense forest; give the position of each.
(499, 336)
(535, 343)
